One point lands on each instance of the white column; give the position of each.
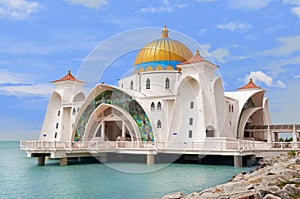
(269, 134)
(295, 137)
(123, 129)
(103, 130)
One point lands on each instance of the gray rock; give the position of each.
(271, 196)
(194, 195)
(288, 174)
(173, 196)
(291, 189)
(295, 180)
(297, 161)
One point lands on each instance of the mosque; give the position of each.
(172, 96)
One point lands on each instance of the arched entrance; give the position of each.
(111, 123)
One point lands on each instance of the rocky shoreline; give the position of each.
(274, 178)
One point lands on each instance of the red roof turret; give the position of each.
(250, 85)
(195, 59)
(68, 77)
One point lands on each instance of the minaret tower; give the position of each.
(64, 104)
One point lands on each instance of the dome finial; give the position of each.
(165, 32)
(197, 52)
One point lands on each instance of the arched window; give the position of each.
(74, 111)
(131, 85)
(158, 106)
(77, 109)
(148, 84)
(210, 131)
(58, 113)
(158, 124)
(152, 106)
(56, 125)
(55, 135)
(167, 83)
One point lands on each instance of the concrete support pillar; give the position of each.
(251, 160)
(269, 135)
(102, 157)
(63, 161)
(150, 159)
(41, 160)
(238, 161)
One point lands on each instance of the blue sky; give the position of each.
(41, 40)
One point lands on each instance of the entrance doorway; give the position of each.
(113, 130)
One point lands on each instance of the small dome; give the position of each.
(161, 54)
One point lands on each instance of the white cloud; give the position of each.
(296, 11)
(259, 76)
(297, 76)
(19, 85)
(27, 90)
(203, 31)
(233, 26)
(293, 2)
(18, 9)
(94, 4)
(218, 55)
(11, 78)
(248, 4)
(166, 7)
(288, 46)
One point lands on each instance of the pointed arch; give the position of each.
(131, 85)
(152, 107)
(158, 124)
(158, 106)
(148, 83)
(167, 83)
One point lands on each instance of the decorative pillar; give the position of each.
(41, 160)
(238, 161)
(150, 159)
(63, 161)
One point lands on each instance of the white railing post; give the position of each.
(281, 145)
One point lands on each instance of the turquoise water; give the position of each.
(20, 177)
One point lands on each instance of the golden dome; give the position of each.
(163, 51)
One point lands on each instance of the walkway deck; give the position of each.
(217, 146)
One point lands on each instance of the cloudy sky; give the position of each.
(41, 40)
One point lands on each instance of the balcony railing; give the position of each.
(221, 144)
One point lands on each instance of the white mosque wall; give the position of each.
(62, 110)
(267, 116)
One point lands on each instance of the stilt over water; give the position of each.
(63, 161)
(41, 160)
(238, 161)
(150, 159)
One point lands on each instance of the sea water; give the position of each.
(20, 177)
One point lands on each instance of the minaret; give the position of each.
(65, 101)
